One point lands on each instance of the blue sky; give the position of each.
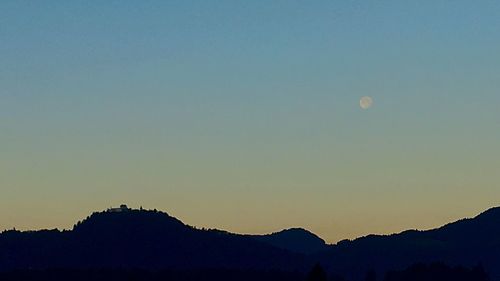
(244, 115)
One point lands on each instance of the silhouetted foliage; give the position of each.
(437, 272)
(144, 275)
(371, 275)
(153, 240)
(317, 273)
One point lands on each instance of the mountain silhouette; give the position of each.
(153, 240)
(296, 240)
(467, 242)
(139, 239)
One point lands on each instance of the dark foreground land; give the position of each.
(151, 245)
(418, 272)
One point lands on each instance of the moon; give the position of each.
(366, 102)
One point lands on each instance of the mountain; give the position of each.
(139, 239)
(467, 242)
(296, 240)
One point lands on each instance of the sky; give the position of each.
(245, 116)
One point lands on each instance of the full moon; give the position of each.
(366, 102)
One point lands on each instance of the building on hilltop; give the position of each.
(122, 208)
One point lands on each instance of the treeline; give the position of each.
(437, 272)
(145, 275)
(418, 272)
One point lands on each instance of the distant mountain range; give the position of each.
(297, 240)
(139, 239)
(144, 239)
(467, 242)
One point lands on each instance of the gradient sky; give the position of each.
(244, 115)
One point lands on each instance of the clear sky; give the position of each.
(244, 115)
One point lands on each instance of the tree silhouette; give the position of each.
(437, 271)
(317, 273)
(371, 275)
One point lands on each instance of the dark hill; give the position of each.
(139, 239)
(297, 240)
(467, 242)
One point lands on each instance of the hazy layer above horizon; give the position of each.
(244, 115)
